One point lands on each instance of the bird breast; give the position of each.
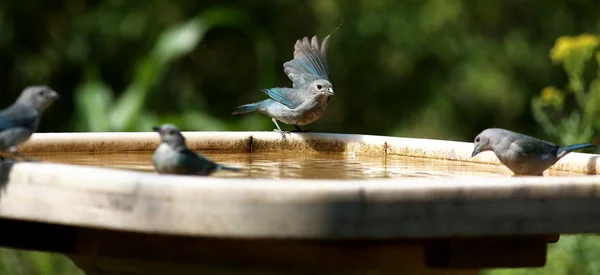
(311, 110)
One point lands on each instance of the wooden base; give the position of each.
(103, 252)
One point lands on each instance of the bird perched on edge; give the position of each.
(173, 156)
(21, 119)
(522, 154)
(308, 98)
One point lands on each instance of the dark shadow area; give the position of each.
(491, 252)
(37, 236)
(120, 252)
(141, 253)
(6, 165)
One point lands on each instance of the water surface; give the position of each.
(283, 164)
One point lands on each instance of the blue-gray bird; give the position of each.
(522, 154)
(308, 98)
(21, 119)
(173, 156)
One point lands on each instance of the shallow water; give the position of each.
(276, 165)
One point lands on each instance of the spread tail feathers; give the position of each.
(228, 168)
(247, 108)
(562, 151)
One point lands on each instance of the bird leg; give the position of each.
(299, 130)
(13, 151)
(279, 129)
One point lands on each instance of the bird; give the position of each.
(311, 90)
(173, 156)
(522, 154)
(21, 119)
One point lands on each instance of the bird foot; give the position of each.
(283, 133)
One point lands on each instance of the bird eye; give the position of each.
(171, 132)
(319, 87)
(477, 139)
(41, 92)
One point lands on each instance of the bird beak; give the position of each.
(330, 91)
(475, 151)
(156, 128)
(54, 95)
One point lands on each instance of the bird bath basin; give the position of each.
(310, 204)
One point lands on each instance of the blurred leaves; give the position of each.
(481, 61)
(552, 97)
(93, 101)
(572, 255)
(98, 112)
(19, 262)
(576, 124)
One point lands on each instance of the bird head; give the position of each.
(322, 86)
(482, 142)
(170, 135)
(38, 97)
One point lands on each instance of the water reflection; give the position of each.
(276, 165)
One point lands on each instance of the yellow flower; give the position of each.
(559, 51)
(552, 97)
(587, 40)
(568, 45)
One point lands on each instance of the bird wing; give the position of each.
(286, 96)
(532, 147)
(309, 63)
(18, 116)
(195, 163)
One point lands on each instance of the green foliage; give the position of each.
(571, 255)
(19, 262)
(433, 68)
(579, 123)
(99, 111)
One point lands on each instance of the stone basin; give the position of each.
(111, 216)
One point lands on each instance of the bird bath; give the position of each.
(310, 204)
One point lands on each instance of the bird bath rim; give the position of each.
(297, 208)
(248, 142)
